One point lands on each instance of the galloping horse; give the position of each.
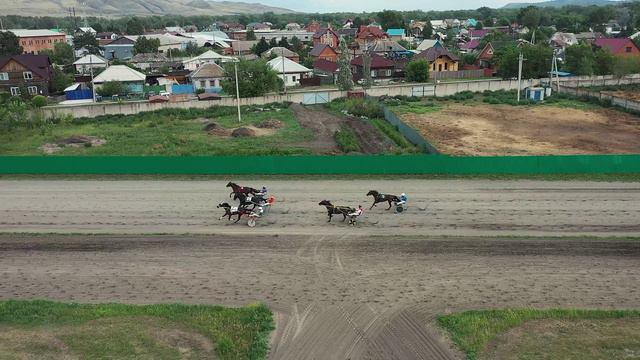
(336, 210)
(246, 200)
(231, 211)
(237, 189)
(378, 198)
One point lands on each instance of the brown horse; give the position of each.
(230, 211)
(378, 198)
(336, 210)
(244, 190)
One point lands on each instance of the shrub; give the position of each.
(39, 101)
(359, 107)
(111, 88)
(347, 140)
(200, 91)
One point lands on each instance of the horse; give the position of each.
(231, 211)
(246, 200)
(336, 210)
(237, 189)
(378, 198)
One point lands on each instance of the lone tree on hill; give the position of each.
(345, 77)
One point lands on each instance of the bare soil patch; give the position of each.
(271, 124)
(631, 95)
(487, 130)
(324, 125)
(214, 129)
(72, 141)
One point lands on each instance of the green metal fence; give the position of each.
(365, 164)
(410, 133)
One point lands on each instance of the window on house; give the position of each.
(15, 91)
(27, 75)
(433, 67)
(373, 73)
(628, 49)
(203, 84)
(4, 76)
(446, 66)
(388, 73)
(293, 78)
(439, 67)
(33, 90)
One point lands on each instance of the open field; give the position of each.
(43, 329)
(339, 296)
(483, 129)
(439, 207)
(535, 334)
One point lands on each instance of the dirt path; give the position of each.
(335, 296)
(448, 207)
(324, 125)
(529, 130)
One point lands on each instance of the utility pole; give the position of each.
(520, 60)
(93, 86)
(284, 76)
(235, 66)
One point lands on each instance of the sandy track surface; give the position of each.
(462, 207)
(335, 297)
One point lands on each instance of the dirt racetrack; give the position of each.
(447, 207)
(334, 296)
(486, 130)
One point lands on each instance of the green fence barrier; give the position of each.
(410, 133)
(365, 164)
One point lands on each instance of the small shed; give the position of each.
(535, 93)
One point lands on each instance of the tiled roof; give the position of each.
(433, 53)
(325, 65)
(373, 31)
(39, 64)
(377, 61)
(318, 49)
(614, 45)
(470, 45)
(207, 71)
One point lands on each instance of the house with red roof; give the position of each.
(326, 68)
(27, 72)
(470, 46)
(618, 47)
(477, 34)
(370, 34)
(326, 36)
(381, 67)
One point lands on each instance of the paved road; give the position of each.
(335, 297)
(467, 208)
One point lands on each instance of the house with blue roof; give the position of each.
(396, 34)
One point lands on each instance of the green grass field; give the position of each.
(592, 335)
(165, 132)
(45, 329)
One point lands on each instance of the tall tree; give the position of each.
(273, 43)
(284, 43)
(604, 62)
(135, 26)
(537, 63)
(251, 35)
(390, 19)
(296, 45)
(63, 54)
(579, 59)
(9, 44)
(530, 17)
(88, 41)
(345, 77)
(427, 30)
(144, 45)
(367, 80)
(260, 47)
(255, 78)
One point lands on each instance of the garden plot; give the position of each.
(488, 130)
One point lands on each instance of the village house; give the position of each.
(326, 36)
(241, 48)
(205, 58)
(349, 33)
(326, 69)
(440, 59)
(121, 48)
(325, 52)
(561, 40)
(396, 34)
(381, 67)
(132, 79)
(88, 62)
(385, 47)
(428, 44)
(293, 26)
(313, 27)
(27, 72)
(281, 51)
(207, 77)
(369, 34)
(108, 35)
(149, 61)
(86, 29)
(618, 47)
(278, 35)
(469, 46)
(34, 41)
(290, 71)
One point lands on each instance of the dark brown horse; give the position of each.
(244, 190)
(336, 210)
(230, 211)
(378, 198)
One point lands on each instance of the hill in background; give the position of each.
(117, 8)
(559, 3)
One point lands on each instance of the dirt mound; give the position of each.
(72, 141)
(271, 124)
(215, 129)
(243, 132)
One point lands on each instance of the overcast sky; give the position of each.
(376, 5)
